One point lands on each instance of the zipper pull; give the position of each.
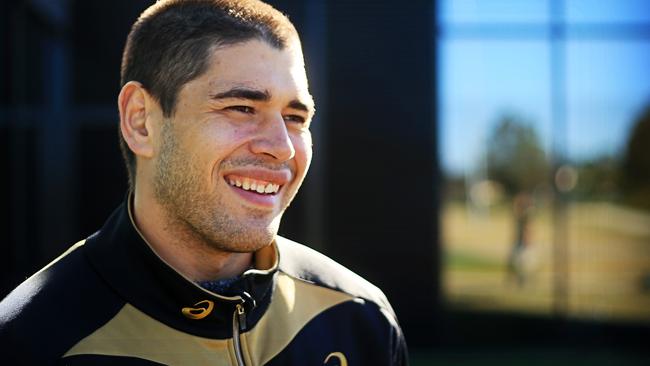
(241, 315)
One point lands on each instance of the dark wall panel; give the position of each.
(103, 179)
(381, 163)
(99, 30)
(6, 259)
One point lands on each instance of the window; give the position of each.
(544, 115)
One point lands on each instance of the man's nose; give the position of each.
(273, 139)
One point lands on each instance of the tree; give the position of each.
(515, 156)
(635, 168)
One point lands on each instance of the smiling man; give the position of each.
(189, 270)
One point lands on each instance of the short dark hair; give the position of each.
(170, 43)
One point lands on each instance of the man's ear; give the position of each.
(136, 129)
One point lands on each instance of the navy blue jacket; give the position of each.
(111, 300)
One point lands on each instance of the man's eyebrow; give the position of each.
(257, 95)
(296, 104)
(243, 93)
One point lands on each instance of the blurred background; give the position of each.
(485, 162)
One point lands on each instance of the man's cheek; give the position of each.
(303, 146)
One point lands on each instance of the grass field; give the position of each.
(529, 357)
(608, 262)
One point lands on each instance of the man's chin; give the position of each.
(247, 243)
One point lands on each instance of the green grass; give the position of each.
(528, 357)
(467, 262)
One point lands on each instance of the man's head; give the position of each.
(170, 44)
(214, 117)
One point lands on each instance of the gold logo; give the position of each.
(198, 313)
(338, 355)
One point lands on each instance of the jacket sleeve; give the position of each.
(399, 350)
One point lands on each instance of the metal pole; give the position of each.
(557, 36)
(315, 44)
(57, 140)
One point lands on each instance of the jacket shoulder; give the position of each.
(306, 264)
(29, 295)
(54, 308)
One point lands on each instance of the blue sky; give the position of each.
(607, 80)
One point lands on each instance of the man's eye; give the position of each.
(242, 109)
(294, 118)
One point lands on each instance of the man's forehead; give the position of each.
(257, 66)
(256, 53)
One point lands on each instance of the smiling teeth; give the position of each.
(256, 186)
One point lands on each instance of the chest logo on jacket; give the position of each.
(200, 311)
(343, 361)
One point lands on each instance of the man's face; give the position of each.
(233, 156)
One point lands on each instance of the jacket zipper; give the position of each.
(238, 325)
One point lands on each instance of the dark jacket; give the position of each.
(110, 300)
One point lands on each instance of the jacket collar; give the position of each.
(129, 265)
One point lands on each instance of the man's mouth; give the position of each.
(254, 185)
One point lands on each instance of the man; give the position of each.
(214, 118)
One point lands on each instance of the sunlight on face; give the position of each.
(236, 151)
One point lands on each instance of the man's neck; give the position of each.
(180, 248)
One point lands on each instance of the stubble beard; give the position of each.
(194, 214)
